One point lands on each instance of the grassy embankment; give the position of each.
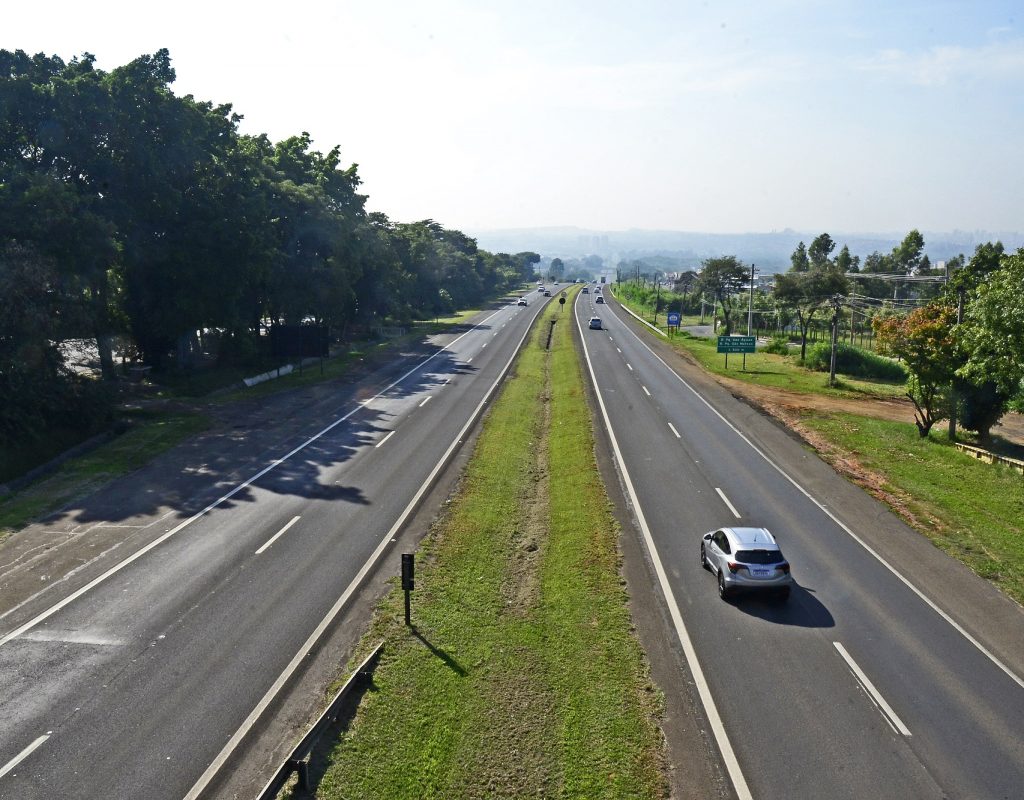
(972, 510)
(521, 677)
(155, 430)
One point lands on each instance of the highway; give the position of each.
(873, 681)
(141, 682)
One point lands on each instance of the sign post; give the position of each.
(408, 581)
(673, 320)
(737, 344)
(561, 303)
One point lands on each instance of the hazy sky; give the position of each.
(714, 116)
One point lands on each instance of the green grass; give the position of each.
(781, 372)
(972, 510)
(522, 677)
(147, 438)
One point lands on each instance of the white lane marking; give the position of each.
(673, 429)
(842, 525)
(72, 637)
(630, 366)
(725, 500)
(645, 390)
(225, 753)
(732, 764)
(275, 537)
(385, 439)
(182, 525)
(469, 360)
(23, 754)
(445, 381)
(483, 345)
(425, 401)
(619, 349)
(887, 712)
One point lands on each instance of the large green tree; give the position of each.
(723, 278)
(805, 291)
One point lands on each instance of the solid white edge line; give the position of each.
(204, 780)
(425, 401)
(725, 500)
(22, 755)
(277, 535)
(385, 439)
(161, 539)
(842, 525)
(732, 764)
(884, 707)
(673, 429)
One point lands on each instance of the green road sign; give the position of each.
(736, 344)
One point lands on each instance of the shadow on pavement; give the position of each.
(802, 609)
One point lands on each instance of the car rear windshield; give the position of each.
(759, 556)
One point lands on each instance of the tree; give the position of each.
(723, 278)
(819, 251)
(924, 340)
(799, 260)
(556, 269)
(992, 333)
(806, 290)
(845, 262)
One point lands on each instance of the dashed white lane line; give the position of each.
(469, 360)
(630, 366)
(385, 439)
(725, 500)
(672, 428)
(425, 401)
(277, 535)
(619, 349)
(890, 716)
(645, 390)
(23, 754)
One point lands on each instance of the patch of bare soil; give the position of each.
(780, 402)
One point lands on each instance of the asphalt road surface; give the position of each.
(879, 678)
(141, 682)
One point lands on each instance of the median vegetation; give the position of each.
(521, 676)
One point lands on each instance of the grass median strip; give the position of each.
(521, 676)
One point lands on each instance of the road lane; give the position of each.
(799, 719)
(143, 678)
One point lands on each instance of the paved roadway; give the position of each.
(859, 687)
(136, 686)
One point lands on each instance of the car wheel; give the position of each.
(723, 590)
(704, 557)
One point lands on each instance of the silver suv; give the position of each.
(745, 559)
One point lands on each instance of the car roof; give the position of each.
(761, 537)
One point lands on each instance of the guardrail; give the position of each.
(989, 457)
(298, 760)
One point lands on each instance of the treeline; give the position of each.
(128, 211)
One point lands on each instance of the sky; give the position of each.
(698, 116)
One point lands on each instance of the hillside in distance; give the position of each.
(770, 251)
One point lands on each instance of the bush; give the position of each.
(778, 344)
(854, 362)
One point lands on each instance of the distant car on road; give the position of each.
(595, 323)
(586, 290)
(547, 293)
(522, 301)
(746, 559)
(600, 299)
(540, 288)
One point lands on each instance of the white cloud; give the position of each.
(941, 65)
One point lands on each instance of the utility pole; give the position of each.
(837, 303)
(750, 304)
(657, 301)
(953, 395)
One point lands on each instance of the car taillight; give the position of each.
(784, 566)
(733, 566)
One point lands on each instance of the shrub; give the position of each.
(854, 362)
(778, 344)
